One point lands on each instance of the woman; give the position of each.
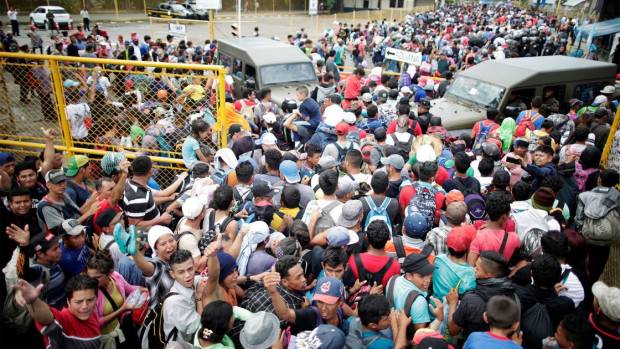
(218, 214)
(111, 302)
(192, 152)
(505, 132)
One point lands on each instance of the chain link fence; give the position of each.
(99, 105)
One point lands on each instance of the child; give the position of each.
(502, 315)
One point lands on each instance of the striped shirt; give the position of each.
(160, 283)
(139, 202)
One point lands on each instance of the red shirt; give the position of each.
(67, 331)
(491, 240)
(373, 264)
(417, 131)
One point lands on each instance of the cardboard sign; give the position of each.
(414, 58)
(209, 4)
(313, 7)
(176, 29)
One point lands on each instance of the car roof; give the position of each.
(262, 51)
(526, 71)
(52, 7)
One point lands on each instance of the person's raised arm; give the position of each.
(48, 153)
(145, 266)
(28, 296)
(119, 188)
(172, 187)
(284, 313)
(235, 248)
(453, 300)
(213, 266)
(93, 87)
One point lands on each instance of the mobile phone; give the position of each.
(513, 160)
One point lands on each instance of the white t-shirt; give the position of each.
(77, 113)
(314, 204)
(574, 287)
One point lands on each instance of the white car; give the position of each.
(62, 18)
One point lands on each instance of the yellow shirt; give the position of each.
(108, 309)
(276, 222)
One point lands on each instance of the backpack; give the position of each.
(536, 325)
(602, 231)
(481, 137)
(17, 319)
(466, 190)
(438, 131)
(404, 148)
(241, 200)
(526, 123)
(378, 213)
(354, 136)
(178, 234)
(370, 278)
(399, 246)
(210, 234)
(533, 141)
(342, 152)
(152, 329)
(581, 175)
(424, 201)
(325, 220)
(411, 297)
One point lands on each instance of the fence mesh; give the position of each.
(106, 105)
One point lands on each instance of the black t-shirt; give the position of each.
(394, 188)
(466, 185)
(392, 209)
(243, 145)
(468, 314)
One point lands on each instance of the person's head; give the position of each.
(292, 273)
(244, 172)
(100, 266)
(581, 133)
(379, 182)
(590, 157)
(353, 160)
(222, 198)
(228, 270)
(498, 207)
(20, 201)
(492, 114)
(418, 270)
(359, 72)
(426, 171)
(521, 191)
(546, 271)
(491, 264)
(334, 262)
(46, 248)
(162, 241)
(73, 234)
(142, 166)
(81, 296)
(456, 213)
(313, 152)
(302, 93)
(520, 146)
(201, 129)
(104, 187)
(328, 297)
(502, 313)
(575, 332)
(216, 320)
(299, 230)
(290, 197)
(77, 166)
(182, 268)
(543, 155)
(486, 166)
(377, 234)
(547, 125)
(328, 181)
(501, 180)
(461, 162)
(608, 178)
(606, 302)
(7, 163)
(537, 102)
(26, 174)
(374, 312)
(273, 158)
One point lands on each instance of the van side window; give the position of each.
(519, 100)
(559, 93)
(237, 68)
(250, 72)
(225, 60)
(586, 92)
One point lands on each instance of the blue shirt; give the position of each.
(447, 275)
(73, 261)
(536, 117)
(488, 340)
(309, 108)
(78, 194)
(189, 151)
(419, 310)
(371, 339)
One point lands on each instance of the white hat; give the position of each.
(367, 97)
(269, 118)
(258, 232)
(608, 90)
(349, 118)
(405, 89)
(192, 207)
(155, 233)
(600, 99)
(608, 299)
(425, 153)
(267, 138)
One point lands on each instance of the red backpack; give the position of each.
(526, 122)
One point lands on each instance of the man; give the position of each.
(415, 228)
(189, 230)
(14, 23)
(537, 217)
(289, 173)
(110, 191)
(512, 160)
(7, 165)
(342, 145)
(273, 159)
(600, 127)
(454, 217)
(18, 215)
(424, 114)
(139, 199)
(451, 269)
(77, 190)
(460, 180)
(240, 140)
(393, 165)
(353, 87)
(424, 186)
(444, 84)
(75, 326)
(107, 220)
(605, 317)
(56, 206)
(28, 176)
(75, 252)
(156, 270)
(379, 184)
(491, 279)
(308, 111)
(483, 129)
(542, 167)
(502, 315)
(326, 308)
(550, 104)
(329, 204)
(313, 154)
(377, 327)
(352, 165)
(530, 119)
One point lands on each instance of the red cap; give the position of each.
(342, 128)
(459, 238)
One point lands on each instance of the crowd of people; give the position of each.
(349, 218)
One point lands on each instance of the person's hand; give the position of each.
(452, 297)
(517, 337)
(394, 320)
(305, 180)
(213, 247)
(437, 309)
(402, 319)
(241, 214)
(124, 165)
(49, 133)
(26, 293)
(376, 289)
(183, 175)
(201, 288)
(305, 303)
(165, 218)
(312, 285)
(357, 285)
(279, 344)
(93, 208)
(127, 306)
(19, 235)
(560, 287)
(271, 281)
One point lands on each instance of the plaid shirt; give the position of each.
(437, 239)
(258, 299)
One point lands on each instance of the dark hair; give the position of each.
(372, 308)
(609, 177)
(328, 181)
(521, 191)
(24, 165)
(502, 312)
(180, 256)
(334, 256)
(141, 165)
(222, 198)
(545, 149)
(494, 263)
(215, 319)
(379, 182)
(403, 109)
(553, 182)
(547, 124)
(313, 148)
(299, 230)
(537, 102)
(101, 262)
(377, 234)
(290, 196)
(501, 179)
(486, 166)
(355, 158)
(244, 172)
(581, 133)
(359, 72)
(426, 170)
(99, 182)
(492, 114)
(590, 157)
(497, 204)
(19, 191)
(263, 93)
(461, 162)
(578, 330)
(81, 282)
(273, 158)
(199, 125)
(284, 265)
(546, 271)
(371, 112)
(555, 243)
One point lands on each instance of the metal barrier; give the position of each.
(99, 105)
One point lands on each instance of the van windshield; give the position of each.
(476, 91)
(287, 73)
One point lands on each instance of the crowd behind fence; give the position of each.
(100, 105)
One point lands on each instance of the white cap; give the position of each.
(192, 207)
(267, 138)
(349, 118)
(258, 232)
(405, 89)
(608, 299)
(367, 97)
(269, 118)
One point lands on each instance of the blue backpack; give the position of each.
(481, 138)
(378, 213)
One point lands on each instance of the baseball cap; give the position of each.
(454, 195)
(342, 128)
(290, 171)
(345, 186)
(416, 224)
(349, 118)
(110, 162)
(608, 299)
(351, 211)
(55, 177)
(327, 162)
(598, 100)
(44, 241)
(70, 83)
(340, 236)
(75, 163)
(459, 238)
(267, 138)
(6, 158)
(234, 128)
(608, 90)
(394, 160)
(262, 188)
(106, 217)
(417, 263)
(72, 227)
(382, 94)
(323, 337)
(329, 290)
(425, 102)
(405, 89)
(367, 97)
(258, 232)
(192, 207)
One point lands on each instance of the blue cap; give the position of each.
(323, 337)
(329, 290)
(6, 158)
(290, 171)
(340, 236)
(416, 225)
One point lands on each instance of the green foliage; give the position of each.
(329, 4)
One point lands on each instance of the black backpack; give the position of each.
(241, 200)
(153, 326)
(210, 234)
(536, 325)
(404, 148)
